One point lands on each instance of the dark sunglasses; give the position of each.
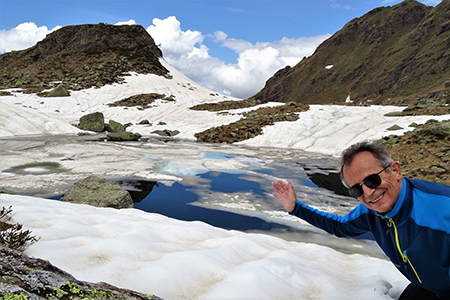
(371, 181)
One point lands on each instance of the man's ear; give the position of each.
(395, 168)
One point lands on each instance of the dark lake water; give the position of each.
(175, 201)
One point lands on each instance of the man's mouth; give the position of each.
(376, 199)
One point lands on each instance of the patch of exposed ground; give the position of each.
(226, 105)
(251, 124)
(143, 101)
(423, 153)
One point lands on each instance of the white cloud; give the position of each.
(23, 36)
(129, 22)
(255, 64)
(234, 44)
(169, 36)
(185, 51)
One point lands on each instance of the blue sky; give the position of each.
(232, 47)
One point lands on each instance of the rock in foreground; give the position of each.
(98, 192)
(24, 277)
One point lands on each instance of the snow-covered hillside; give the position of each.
(54, 114)
(316, 130)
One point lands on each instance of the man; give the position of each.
(409, 218)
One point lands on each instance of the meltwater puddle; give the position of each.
(175, 200)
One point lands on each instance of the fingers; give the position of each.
(278, 189)
(276, 196)
(279, 185)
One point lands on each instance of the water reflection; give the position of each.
(240, 202)
(173, 201)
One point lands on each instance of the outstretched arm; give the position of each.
(285, 193)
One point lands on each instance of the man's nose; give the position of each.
(367, 191)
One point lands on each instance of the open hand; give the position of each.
(285, 193)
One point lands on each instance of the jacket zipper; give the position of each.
(402, 253)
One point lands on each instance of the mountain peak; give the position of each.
(82, 56)
(391, 55)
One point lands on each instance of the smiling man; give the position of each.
(409, 218)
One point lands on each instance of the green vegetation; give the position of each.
(12, 296)
(12, 235)
(74, 291)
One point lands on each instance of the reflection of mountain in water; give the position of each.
(138, 189)
(330, 181)
(174, 202)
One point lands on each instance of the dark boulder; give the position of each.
(123, 136)
(93, 122)
(59, 91)
(114, 126)
(98, 192)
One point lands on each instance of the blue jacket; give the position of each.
(415, 235)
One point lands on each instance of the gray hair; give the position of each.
(378, 151)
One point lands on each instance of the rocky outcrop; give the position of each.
(24, 277)
(82, 56)
(98, 192)
(424, 152)
(92, 122)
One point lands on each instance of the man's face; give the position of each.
(382, 198)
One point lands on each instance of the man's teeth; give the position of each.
(377, 199)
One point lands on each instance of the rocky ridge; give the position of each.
(391, 55)
(82, 56)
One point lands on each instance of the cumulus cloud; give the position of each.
(175, 43)
(255, 64)
(187, 52)
(23, 36)
(129, 22)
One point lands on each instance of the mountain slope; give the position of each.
(391, 55)
(82, 56)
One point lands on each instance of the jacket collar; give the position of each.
(402, 207)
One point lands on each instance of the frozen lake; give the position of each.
(226, 186)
